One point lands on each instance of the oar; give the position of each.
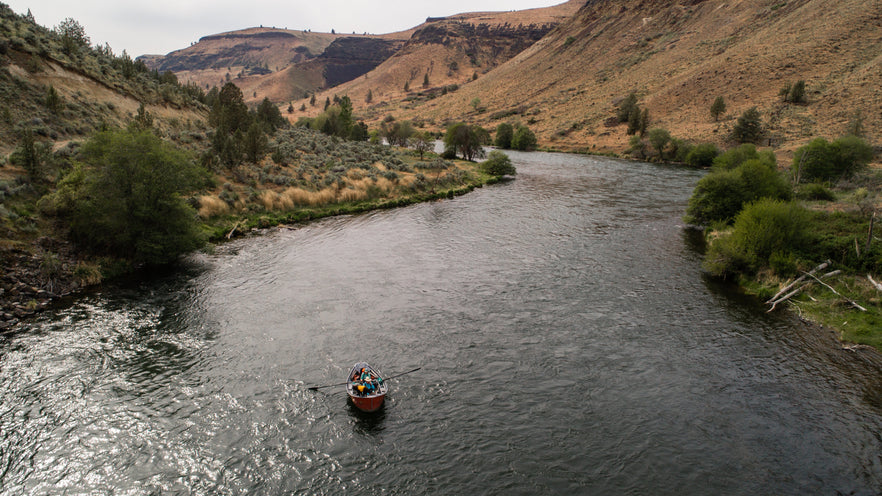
(316, 388)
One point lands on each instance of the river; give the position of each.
(568, 339)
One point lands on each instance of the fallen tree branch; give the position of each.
(876, 284)
(233, 230)
(796, 291)
(801, 278)
(852, 302)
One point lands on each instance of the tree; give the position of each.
(53, 100)
(269, 116)
(370, 96)
(659, 138)
(127, 202)
(498, 164)
(794, 93)
(718, 108)
(143, 119)
(255, 142)
(426, 80)
(422, 143)
(467, 141)
(749, 127)
(30, 155)
(504, 134)
(73, 36)
(626, 106)
(312, 100)
(523, 139)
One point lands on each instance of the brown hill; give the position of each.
(679, 57)
(449, 52)
(281, 64)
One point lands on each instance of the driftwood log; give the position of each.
(778, 298)
(874, 283)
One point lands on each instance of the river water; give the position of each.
(568, 340)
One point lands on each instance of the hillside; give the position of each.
(679, 57)
(280, 64)
(447, 52)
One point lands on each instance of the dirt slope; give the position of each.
(679, 56)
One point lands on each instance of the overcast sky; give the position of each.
(161, 26)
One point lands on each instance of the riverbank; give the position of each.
(37, 271)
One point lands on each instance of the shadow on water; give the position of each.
(367, 423)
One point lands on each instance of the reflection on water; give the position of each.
(568, 340)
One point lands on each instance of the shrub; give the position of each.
(823, 161)
(738, 155)
(719, 196)
(523, 139)
(504, 134)
(498, 164)
(659, 139)
(815, 192)
(766, 232)
(702, 155)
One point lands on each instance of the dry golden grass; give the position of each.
(210, 206)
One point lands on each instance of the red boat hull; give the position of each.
(368, 403)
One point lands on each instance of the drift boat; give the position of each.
(366, 387)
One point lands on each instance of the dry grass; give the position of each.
(211, 206)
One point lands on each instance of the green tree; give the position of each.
(53, 100)
(30, 155)
(659, 139)
(749, 127)
(718, 108)
(523, 139)
(398, 133)
(143, 118)
(73, 36)
(255, 142)
(467, 141)
(504, 134)
(127, 203)
(626, 106)
(794, 93)
(742, 153)
(370, 96)
(426, 80)
(422, 143)
(269, 116)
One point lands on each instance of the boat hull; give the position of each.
(368, 403)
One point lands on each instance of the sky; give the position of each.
(161, 26)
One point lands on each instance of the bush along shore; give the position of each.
(804, 237)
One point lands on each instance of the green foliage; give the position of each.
(504, 133)
(768, 233)
(397, 133)
(270, 117)
(128, 204)
(702, 155)
(794, 93)
(53, 100)
(498, 164)
(30, 155)
(814, 192)
(749, 127)
(718, 108)
(73, 36)
(823, 161)
(719, 196)
(742, 153)
(523, 139)
(467, 141)
(626, 106)
(659, 139)
(422, 142)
